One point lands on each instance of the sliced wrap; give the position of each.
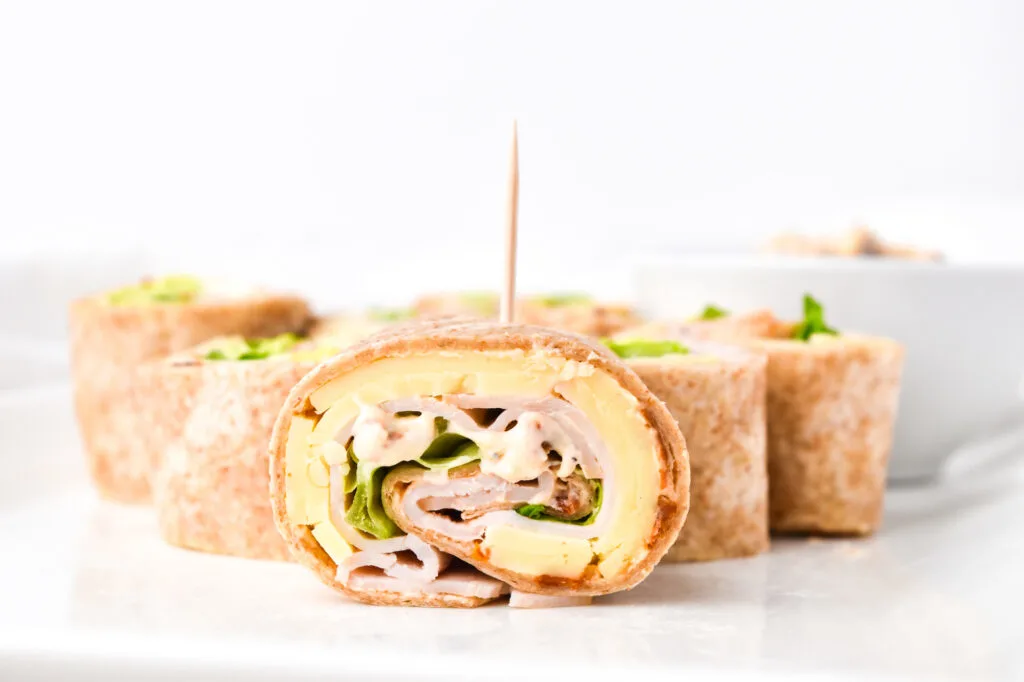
(210, 414)
(448, 463)
(832, 400)
(717, 394)
(113, 334)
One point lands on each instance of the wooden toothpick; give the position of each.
(508, 293)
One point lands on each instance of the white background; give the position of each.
(357, 150)
(362, 145)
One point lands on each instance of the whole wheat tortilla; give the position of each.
(673, 499)
(719, 401)
(210, 423)
(586, 317)
(832, 407)
(831, 412)
(109, 342)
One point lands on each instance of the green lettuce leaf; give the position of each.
(539, 512)
(350, 476)
(535, 511)
(366, 511)
(813, 322)
(228, 349)
(644, 348)
(463, 454)
(446, 447)
(390, 314)
(169, 289)
(562, 300)
(712, 312)
(253, 349)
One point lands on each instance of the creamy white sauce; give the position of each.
(517, 454)
(520, 453)
(385, 439)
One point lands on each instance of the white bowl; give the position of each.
(962, 326)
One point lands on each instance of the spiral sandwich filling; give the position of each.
(473, 474)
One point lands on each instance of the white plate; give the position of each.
(88, 590)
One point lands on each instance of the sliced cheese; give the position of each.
(327, 535)
(530, 553)
(631, 442)
(512, 372)
(341, 413)
(305, 502)
(333, 453)
(316, 471)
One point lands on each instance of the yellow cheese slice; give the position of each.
(530, 553)
(305, 502)
(440, 372)
(631, 444)
(327, 535)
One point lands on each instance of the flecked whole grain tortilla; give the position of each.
(832, 405)
(211, 422)
(584, 317)
(409, 339)
(831, 413)
(109, 342)
(717, 394)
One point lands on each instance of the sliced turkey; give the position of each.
(517, 439)
(527, 600)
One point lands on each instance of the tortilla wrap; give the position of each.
(620, 458)
(109, 342)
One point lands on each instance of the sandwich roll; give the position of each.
(450, 463)
(211, 411)
(832, 406)
(113, 334)
(717, 395)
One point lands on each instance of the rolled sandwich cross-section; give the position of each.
(831, 408)
(210, 411)
(113, 334)
(446, 464)
(717, 394)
